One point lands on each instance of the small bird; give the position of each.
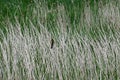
(52, 43)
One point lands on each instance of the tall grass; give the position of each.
(86, 42)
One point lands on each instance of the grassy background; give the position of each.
(85, 33)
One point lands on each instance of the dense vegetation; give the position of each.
(59, 39)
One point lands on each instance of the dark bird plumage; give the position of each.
(52, 43)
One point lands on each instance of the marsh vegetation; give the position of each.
(60, 40)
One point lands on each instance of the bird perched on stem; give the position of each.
(52, 43)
